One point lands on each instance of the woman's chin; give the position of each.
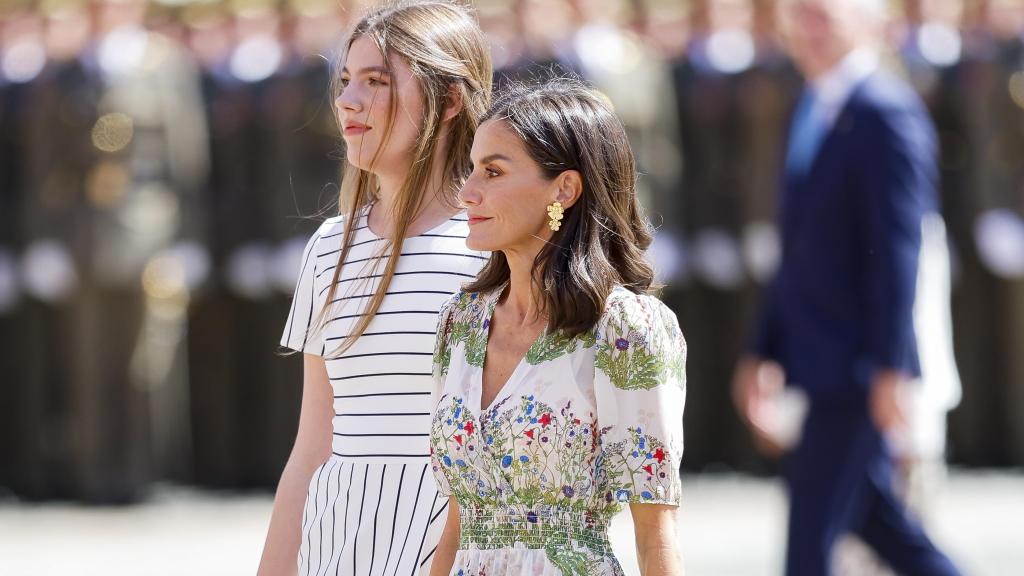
(474, 244)
(480, 243)
(360, 163)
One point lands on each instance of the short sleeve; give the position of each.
(640, 388)
(300, 331)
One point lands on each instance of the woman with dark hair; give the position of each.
(559, 382)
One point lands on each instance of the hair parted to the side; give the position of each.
(446, 51)
(565, 125)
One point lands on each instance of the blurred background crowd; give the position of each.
(163, 163)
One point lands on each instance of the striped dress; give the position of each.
(372, 508)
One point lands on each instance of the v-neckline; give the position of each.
(509, 385)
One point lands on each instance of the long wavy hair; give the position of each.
(565, 125)
(446, 51)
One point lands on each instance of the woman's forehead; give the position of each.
(365, 56)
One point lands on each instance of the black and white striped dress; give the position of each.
(372, 508)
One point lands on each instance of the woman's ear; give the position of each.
(570, 186)
(452, 103)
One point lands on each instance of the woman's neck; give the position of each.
(435, 205)
(524, 297)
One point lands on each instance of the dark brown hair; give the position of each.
(446, 50)
(565, 125)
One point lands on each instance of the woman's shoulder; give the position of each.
(333, 227)
(464, 305)
(641, 315)
(624, 304)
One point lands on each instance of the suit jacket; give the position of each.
(841, 305)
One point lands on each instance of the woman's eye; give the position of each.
(377, 82)
(344, 82)
(491, 172)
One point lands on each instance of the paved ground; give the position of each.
(729, 526)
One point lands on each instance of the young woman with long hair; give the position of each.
(356, 496)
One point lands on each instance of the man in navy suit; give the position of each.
(860, 176)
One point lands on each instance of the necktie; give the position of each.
(805, 135)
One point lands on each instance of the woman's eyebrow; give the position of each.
(493, 157)
(369, 69)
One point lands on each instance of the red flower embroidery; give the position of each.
(458, 438)
(469, 428)
(649, 469)
(659, 455)
(545, 419)
(530, 434)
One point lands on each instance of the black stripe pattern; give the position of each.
(373, 508)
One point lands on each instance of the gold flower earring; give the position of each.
(555, 213)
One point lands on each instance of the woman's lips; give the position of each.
(477, 219)
(355, 129)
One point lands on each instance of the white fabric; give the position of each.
(372, 508)
(582, 427)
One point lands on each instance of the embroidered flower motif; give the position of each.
(535, 461)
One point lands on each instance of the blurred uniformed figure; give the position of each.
(768, 92)
(41, 62)
(275, 169)
(115, 155)
(999, 230)
(931, 50)
(713, 131)
(22, 417)
(535, 44)
(965, 78)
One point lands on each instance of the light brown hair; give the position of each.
(446, 51)
(565, 125)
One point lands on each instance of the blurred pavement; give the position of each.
(729, 526)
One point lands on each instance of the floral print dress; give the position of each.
(582, 427)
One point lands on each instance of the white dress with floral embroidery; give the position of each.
(582, 427)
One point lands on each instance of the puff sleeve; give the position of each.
(640, 390)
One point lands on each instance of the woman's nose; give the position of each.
(468, 194)
(347, 102)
